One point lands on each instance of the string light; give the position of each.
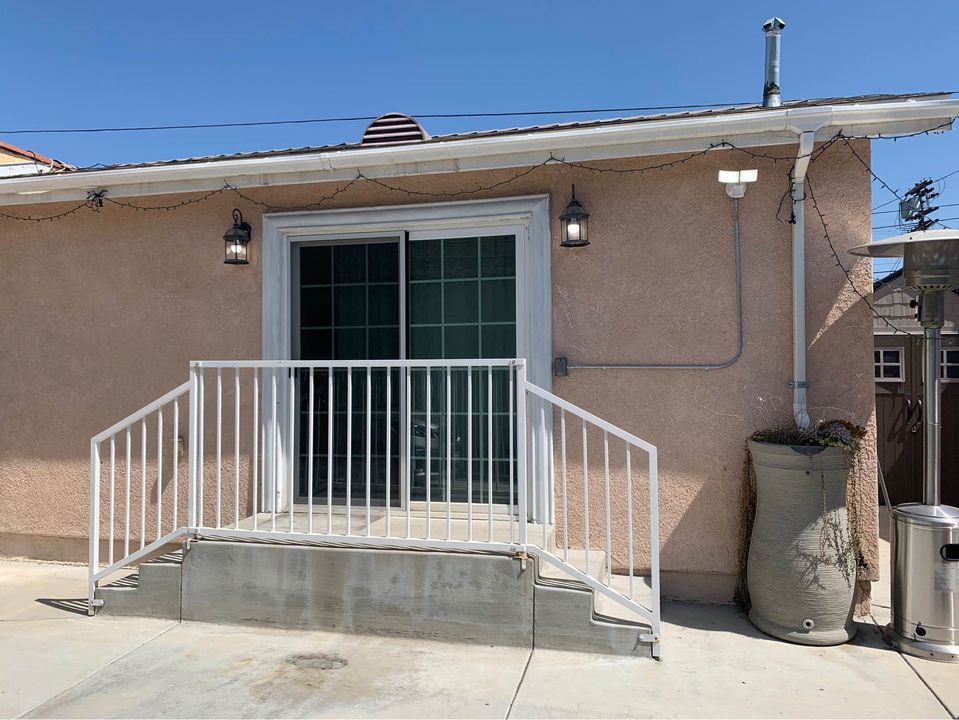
(839, 262)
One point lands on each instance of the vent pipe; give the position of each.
(773, 29)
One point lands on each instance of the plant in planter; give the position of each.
(801, 567)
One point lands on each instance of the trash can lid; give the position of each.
(927, 514)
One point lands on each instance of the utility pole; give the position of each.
(916, 206)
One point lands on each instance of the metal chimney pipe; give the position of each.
(773, 29)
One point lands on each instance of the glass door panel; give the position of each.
(462, 305)
(348, 308)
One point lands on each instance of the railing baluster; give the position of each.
(192, 443)
(255, 459)
(609, 530)
(544, 471)
(562, 442)
(408, 432)
(200, 443)
(369, 442)
(349, 450)
(389, 429)
(309, 460)
(512, 454)
(489, 451)
(449, 453)
(521, 454)
(126, 492)
(159, 473)
(586, 496)
(429, 447)
(143, 483)
(330, 460)
(176, 459)
(113, 462)
(236, 448)
(469, 453)
(94, 532)
(533, 467)
(292, 459)
(219, 443)
(274, 432)
(654, 536)
(629, 518)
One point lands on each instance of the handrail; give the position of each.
(142, 412)
(339, 364)
(133, 494)
(599, 422)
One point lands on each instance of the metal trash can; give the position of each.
(925, 581)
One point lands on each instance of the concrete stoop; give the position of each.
(458, 597)
(152, 591)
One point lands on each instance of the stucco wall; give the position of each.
(103, 310)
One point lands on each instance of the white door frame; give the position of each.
(528, 215)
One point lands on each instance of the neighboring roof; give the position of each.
(34, 157)
(526, 130)
(886, 279)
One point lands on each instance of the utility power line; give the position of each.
(357, 118)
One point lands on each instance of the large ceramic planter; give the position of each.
(801, 570)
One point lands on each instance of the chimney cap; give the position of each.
(774, 26)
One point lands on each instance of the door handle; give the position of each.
(915, 426)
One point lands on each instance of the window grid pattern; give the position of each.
(349, 309)
(888, 364)
(949, 364)
(462, 304)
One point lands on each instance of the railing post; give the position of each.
(521, 479)
(193, 436)
(94, 559)
(654, 545)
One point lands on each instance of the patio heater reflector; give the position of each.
(925, 536)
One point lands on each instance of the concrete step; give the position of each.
(570, 615)
(564, 619)
(457, 597)
(152, 591)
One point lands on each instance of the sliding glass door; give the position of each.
(418, 296)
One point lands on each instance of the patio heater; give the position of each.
(925, 536)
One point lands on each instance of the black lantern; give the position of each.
(236, 241)
(574, 220)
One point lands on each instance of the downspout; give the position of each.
(798, 383)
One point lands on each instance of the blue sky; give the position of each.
(115, 63)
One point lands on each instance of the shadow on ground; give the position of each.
(76, 606)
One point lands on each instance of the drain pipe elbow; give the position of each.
(799, 384)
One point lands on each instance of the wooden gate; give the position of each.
(900, 415)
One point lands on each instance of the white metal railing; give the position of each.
(149, 468)
(431, 454)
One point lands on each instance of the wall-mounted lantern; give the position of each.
(574, 221)
(236, 241)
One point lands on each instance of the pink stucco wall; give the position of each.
(103, 310)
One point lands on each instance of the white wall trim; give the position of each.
(527, 216)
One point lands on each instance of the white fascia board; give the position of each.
(644, 138)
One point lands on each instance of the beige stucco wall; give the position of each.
(103, 310)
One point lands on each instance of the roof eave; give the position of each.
(642, 138)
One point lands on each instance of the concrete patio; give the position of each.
(59, 663)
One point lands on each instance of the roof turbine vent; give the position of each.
(394, 129)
